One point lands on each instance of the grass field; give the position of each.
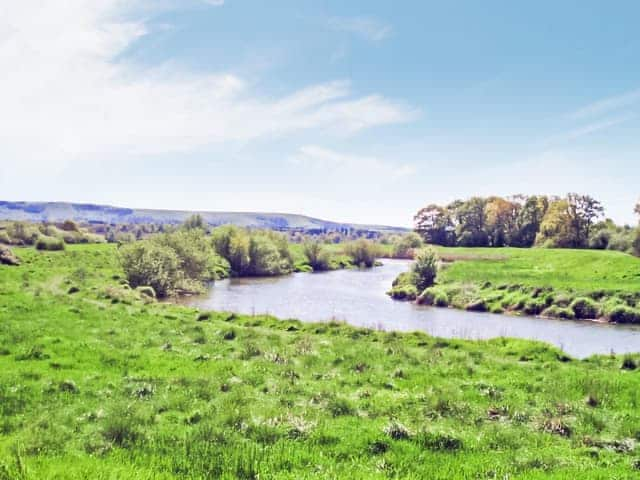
(580, 271)
(557, 283)
(98, 382)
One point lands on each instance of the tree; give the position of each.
(554, 228)
(433, 223)
(500, 217)
(471, 221)
(528, 221)
(582, 211)
(636, 241)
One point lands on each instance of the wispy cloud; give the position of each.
(590, 128)
(365, 27)
(320, 159)
(606, 105)
(215, 3)
(65, 98)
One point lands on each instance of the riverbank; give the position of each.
(99, 380)
(565, 284)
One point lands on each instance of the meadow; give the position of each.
(101, 381)
(557, 283)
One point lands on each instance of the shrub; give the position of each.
(148, 263)
(555, 311)
(584, 307)
(477, 306)
(363, 252)
(628, 363)
(403, 292)
(261, 253)
(193, 250)
(623, 314)
(425, 268)
(636, 243)
(534, 306)
(146, 291)
(405, 245)
(7, 257)
(317, 256)
(49, 243)
(4, 238)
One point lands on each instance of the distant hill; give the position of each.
(89, 213)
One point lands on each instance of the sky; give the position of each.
(360, 111)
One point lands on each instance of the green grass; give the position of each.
(104, 384)
(582, 271)
(556, 283)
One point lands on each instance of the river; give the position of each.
(358, 298)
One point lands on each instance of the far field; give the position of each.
(581, 271)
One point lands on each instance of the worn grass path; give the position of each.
(101, 384)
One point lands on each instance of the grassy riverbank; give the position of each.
(584, 284)
(98, 381)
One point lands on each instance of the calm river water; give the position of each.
(358, 297)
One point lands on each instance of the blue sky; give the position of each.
(353, 111)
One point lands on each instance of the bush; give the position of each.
(477, 306)
(534, 306)
(7, 257)
(425, 268)
(363, 252)
(623, 314)
(317, 256)
(148, 263)
(403, 292)
(49, 243)
(261, 253)
(555, 311)
(584, 308)
(636, 243)
(404, 246)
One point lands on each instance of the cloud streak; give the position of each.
(320, 160)
(590, 128)
(68, 92)
(368, 28)
(606, 105)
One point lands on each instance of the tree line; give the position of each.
(572, 221)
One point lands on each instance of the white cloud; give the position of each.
(367, 28)
(354, 167)
(605, 105)
(215, 3)
(68, 94)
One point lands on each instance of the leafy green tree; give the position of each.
(582, 211)
(434, 224)
(528, 221)
(555, 229)
(425, 268)
(500, 220)
(471, 223)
